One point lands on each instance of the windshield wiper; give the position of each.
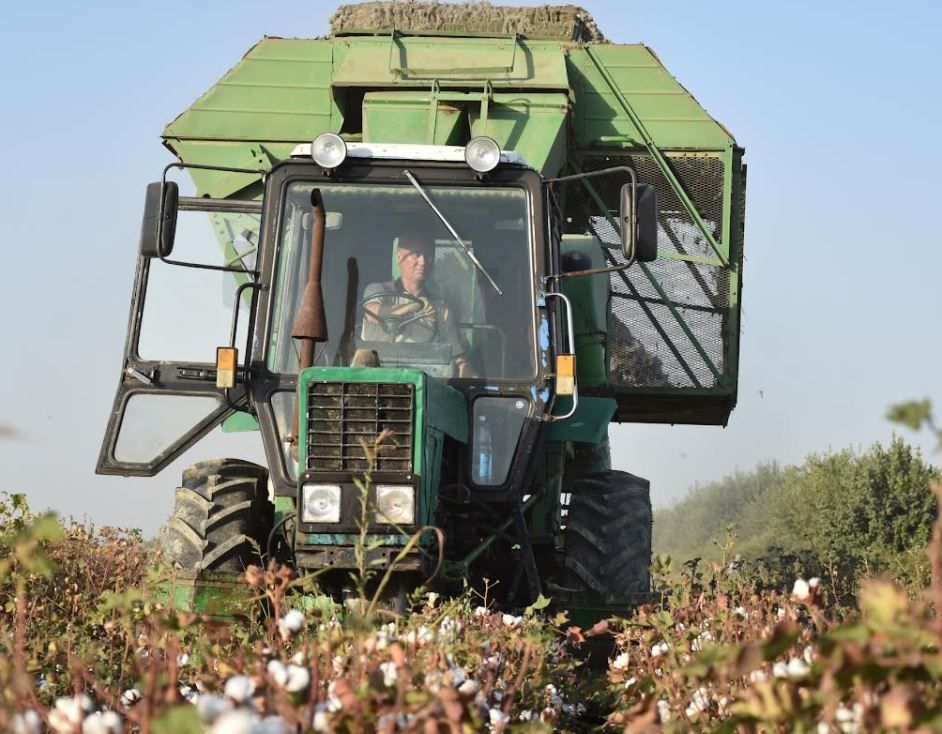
(464, 245)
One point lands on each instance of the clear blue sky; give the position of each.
(836, 103)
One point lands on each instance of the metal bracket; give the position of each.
(403, 69)
(571, 339)
(529, 558)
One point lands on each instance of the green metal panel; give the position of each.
(382, 61)
(531, 123)
(277, 96)
(589, 424)
(279, 91)
(240, 422)
(669, 112)
(590, 300)
(413, 117)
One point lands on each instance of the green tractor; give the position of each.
(449, 260)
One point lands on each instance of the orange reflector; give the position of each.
(226, 360)
(565, 374)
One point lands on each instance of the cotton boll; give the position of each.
(102, 722)
(210, 707)
(239, 721)
(239, 688)
(27, 723)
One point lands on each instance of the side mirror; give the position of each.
(638, 217)
(159, 224)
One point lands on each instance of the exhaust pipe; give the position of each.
(310, 325)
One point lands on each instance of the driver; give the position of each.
(410, 308)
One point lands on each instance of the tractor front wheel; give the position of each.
(221, 517)
(608, 534)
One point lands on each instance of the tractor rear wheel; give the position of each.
(608, 534)
(221, 517)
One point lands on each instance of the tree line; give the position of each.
(839, 514)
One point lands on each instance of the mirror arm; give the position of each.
(596, 271)
(633, 224)
(591, 174)
(262, 173)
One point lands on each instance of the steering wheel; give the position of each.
(398, 311)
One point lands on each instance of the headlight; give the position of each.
(395, 504)
(482, 154)
(328, 150)
(320, 503)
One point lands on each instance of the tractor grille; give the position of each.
(345, 419)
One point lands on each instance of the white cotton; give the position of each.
(27, 723)
(299, 678)
(697, 644)
(659, 649)
(290, 623)
(278, 672)
(663, 711)
(68, 713)
(239, 721)
(210, 707)
(102, 722)
(801, 590)
(130, 697)
(498, 719)
(797, 668)
(321, 719)
(621, 662)
(699, 702)
(272, 725)
(239, 688)
(389, 672)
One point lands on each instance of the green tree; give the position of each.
(843, 512)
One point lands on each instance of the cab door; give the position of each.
(184, 305)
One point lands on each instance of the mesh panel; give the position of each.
(647, 344)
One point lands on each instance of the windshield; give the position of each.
(401, 291)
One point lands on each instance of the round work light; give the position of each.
(482, 154)
(328, 150)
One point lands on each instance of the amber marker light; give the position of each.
(565, 374)
(226, 360)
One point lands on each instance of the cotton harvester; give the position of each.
(455, 242)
